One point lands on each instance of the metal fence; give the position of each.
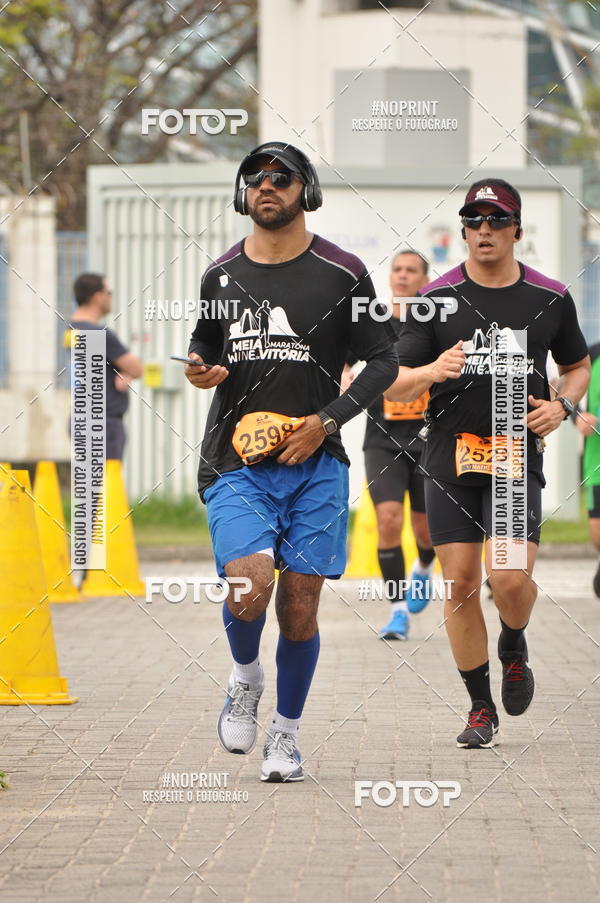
(72, 256)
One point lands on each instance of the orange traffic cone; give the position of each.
(53, 535)
(28, 663)
(121, 576)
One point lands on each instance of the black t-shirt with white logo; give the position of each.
(392, 435)
(284, 342)
(541, 306)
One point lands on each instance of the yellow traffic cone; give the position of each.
(363, 561)
(53, 535)
(28, 663)
(122, 574)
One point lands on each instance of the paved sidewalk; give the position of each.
(75, 825)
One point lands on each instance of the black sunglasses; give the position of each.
(495, 220)
(279, 178)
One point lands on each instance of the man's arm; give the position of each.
(412, 382)
(548, 415)
(206, 344)
(368, 385)
(129, 365)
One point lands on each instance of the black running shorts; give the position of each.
(392, 472)
(592, 500)
(458, 513)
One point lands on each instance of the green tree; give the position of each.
(75, 77)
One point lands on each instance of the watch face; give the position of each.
(330, 426)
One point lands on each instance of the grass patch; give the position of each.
(161, 521)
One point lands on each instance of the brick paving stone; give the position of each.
(75, 826)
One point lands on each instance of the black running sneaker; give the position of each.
(517, 681)
(596, 583)
(481, 727)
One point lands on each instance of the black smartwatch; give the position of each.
(568, 406)
(328, 423)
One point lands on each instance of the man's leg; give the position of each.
(244, 618)
(296, 603)
(514, 595)
(593, 505)
(420, 580)
(390, 519)
(388, 475)
(465, 625)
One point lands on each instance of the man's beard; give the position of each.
(275, 217)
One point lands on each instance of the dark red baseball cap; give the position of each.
(491, 193)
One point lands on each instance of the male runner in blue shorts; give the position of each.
(451, 356)
(287, 511)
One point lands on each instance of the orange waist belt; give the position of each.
(475, 454)
(259, 434)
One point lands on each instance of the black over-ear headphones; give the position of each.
(312, 196)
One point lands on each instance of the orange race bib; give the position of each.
(406, 410)
(257, 435)
(474, 454)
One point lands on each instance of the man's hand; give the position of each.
(586, 423)
(449, 364)
(201, 378)
(346, 378)
(546, 416)
(303, 442)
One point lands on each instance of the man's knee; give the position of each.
(390, 517)
(510, 584)
(258, 569)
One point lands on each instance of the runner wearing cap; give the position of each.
(279, 353)
(450, 356)
(392, 455)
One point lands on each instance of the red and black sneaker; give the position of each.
(481, 727)
(517, 681)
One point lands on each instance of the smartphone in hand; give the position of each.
(189, 360)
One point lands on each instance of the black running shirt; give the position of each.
(285, 343)
(536, 303)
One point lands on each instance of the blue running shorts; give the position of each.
(299, 512)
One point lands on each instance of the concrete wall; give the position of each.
(301, 47)
(33, 410)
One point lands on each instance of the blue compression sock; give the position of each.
(296, 663)
(243, 636)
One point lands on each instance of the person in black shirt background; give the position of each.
(280, 349)
(392, 454)
(451, 357)
(94, 301)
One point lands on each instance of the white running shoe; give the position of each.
(281, 762)
(236, 725)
